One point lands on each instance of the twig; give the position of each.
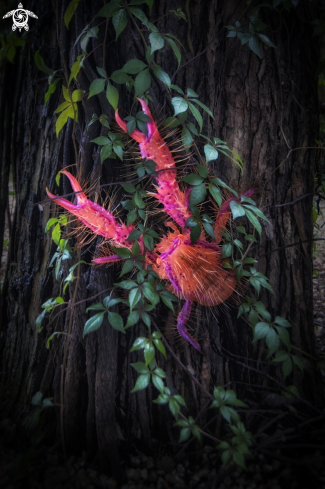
(300, 198)
(194, 379)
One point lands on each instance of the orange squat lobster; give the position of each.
(194, 270)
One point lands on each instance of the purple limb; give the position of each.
(181, 321)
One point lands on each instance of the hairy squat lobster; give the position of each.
(194, 270)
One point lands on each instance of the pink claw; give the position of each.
(136, 134)
(150, 125)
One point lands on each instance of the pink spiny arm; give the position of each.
(153, 147)
(95, 217)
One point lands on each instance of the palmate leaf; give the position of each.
(93, 323)
(119, 21)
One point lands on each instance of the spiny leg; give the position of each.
(181, 321)
(153, 147)
(94, 217)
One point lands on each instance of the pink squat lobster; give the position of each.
(194, 270)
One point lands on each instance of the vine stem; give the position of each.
(181, 364)
(65, 359)
(135, 24)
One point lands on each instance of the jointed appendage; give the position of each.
(194, 270)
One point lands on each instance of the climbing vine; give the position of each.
(146, 287)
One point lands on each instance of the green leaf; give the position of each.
(175, 49)
(196, 114)
(225, 412)
(253, 219)
(61, 121)
(287, 367)
(236, 209)
(202, 170)
(261, 331)
(142, 82)
(192, 179)
(156, 41)
(96, 307)
(101, 141)
(132, 319)
(39, 320)
(150, 293)
(116, 321)
(119, 21)
(119, 76)
(216, 194)
(51, 89)
(257, 211)
(282, 322)
(187, 139)
(149, 352)
(167, 302)
(134, 66)
(198, 194)
(149, 242)
(37, 399)
(174, 407)
(132, 215)
(139, 343)
(139, 14)
(75, 68)
(298, 362)
(40, 63)
(140, 367)
(127, 267)
(219, 182)
(70, 11)
(109, 9)
(112, 95)
(158, 382)
(226, 250)
(208, 229)
(135, 234)
(284, 336)
(204, 107)
(77, 95)
(195, 233)
(123, 252)
(254, 46)
(93, 323)
(105, 152)
(159, 345)
(180, 105)
(210, 153)
(96, 87)
(266, 40)
(134, 297)
(56, 234)
(272, 341)
(141, 383)
(63, 106)
(146, 319)
(126, 284)
(184, 435)
(161, 74)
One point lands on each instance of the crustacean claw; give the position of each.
(94, 216)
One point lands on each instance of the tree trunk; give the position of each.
(266, 111)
